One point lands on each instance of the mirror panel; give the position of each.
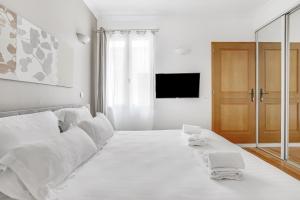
(294, 85)
(269, 47)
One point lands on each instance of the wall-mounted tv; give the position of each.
(185, 85)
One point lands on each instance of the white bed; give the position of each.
(159, 165)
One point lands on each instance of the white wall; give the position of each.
(273, 32)
(195, 33)
(271, 10)
(61, 18)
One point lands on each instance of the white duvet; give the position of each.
(159, 165)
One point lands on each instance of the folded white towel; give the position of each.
(226, 174)
(201, 142)
(195, 137)
(197, 140)
(224, 165)
(190, 129)
(225, 160)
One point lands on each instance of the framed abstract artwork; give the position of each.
(30, 54)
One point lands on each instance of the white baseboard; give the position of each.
(294, 145)
(268, 145)
(278, 145)
(247, 145)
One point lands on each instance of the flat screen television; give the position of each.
(184, 85)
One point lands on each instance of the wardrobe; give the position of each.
(256, 88)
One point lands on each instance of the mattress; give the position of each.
(159, 165)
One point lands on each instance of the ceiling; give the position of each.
(217, 8)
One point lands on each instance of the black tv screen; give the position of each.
(177, 85)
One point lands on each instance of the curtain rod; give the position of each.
(111, 30)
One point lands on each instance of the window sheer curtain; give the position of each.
(130, 79)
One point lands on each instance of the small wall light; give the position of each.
(182, 51)
(84, 39)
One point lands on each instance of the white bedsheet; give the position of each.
(159, 165)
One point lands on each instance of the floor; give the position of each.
(294, 153)
(280, 164)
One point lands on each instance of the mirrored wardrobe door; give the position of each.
(293, 154)
(269, 47)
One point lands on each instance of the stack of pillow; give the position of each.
(99, 128)
(35, 157)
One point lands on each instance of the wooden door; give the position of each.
(233, 82)
(294, 93)
(269, 92)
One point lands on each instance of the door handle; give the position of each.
(261, 94)
(252, 93)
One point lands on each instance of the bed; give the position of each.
(159, 165)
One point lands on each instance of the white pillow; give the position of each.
(99, 129)
(61, 112)
(105, 120)
(12, 187)
(42, 166)
(72, 116)
(24, 129)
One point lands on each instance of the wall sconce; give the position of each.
(182, 51)
(84, 39)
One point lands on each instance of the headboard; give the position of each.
(35, 110)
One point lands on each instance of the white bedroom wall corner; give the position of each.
(92, 7)
(94, 58)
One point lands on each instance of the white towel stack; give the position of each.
(197, 140)
(225, 165)
(190, 129)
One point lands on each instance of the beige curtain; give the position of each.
(100, 74)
